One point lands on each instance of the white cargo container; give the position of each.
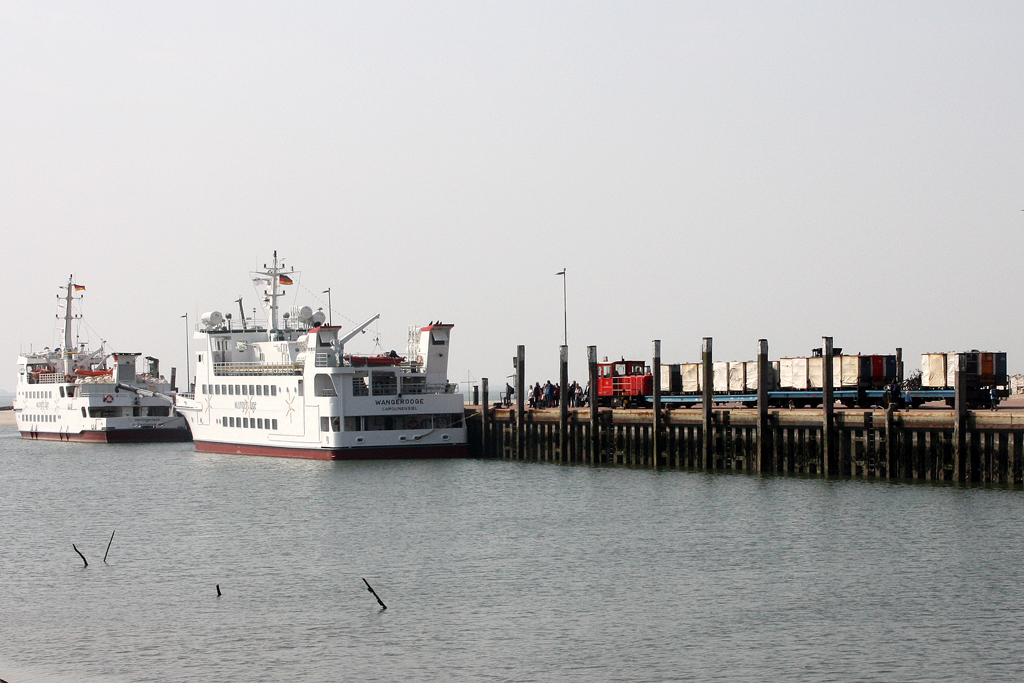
(773, 375)
(933, 370)
(816, 372)
(692, 377)
(721, 377)
(846, 372)
(793, 373)
(670, 383)
(738, 376)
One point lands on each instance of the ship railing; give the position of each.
(327, 360)
(253, 369)
(186, 395)
(51, 378)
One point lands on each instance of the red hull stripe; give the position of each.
(115, 436)
(397, 452)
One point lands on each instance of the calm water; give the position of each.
(493, 571)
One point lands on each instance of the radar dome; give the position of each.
(212, 319)
(318, 318)
(304, 313)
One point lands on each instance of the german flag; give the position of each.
(79, 288)
(284, 280)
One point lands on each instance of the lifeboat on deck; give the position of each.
(94, 373)
(375, 361)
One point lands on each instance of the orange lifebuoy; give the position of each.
(108, 399)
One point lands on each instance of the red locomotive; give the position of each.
(624, 383)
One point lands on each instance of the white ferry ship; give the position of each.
(289, 388)
(73, 394)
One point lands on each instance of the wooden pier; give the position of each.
(927, 444)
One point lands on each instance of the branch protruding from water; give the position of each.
(80, 555)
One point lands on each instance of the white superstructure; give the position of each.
(76, 394)
(290, 388)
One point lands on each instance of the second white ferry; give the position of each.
(289, 388)
(72, 393)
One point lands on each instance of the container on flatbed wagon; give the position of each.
(671, 381)
(793, 373)
(980, 368)
(692, 377)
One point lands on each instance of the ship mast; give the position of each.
(68, 317)
(272, 276)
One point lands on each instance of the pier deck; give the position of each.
(925, 444)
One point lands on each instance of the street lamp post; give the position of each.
(188, 362)
(565, 311)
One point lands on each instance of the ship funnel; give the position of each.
(124, 368)
(434, 340)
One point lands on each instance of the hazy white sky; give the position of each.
(736, 170)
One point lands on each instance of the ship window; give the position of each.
(71, 392)
(238, 390)
(325, 424)
(259, 423)
(231, 390)
(299, 390)
(352, 424)
(335, 424)
(323, 385)
(436, 339)
(414, 385)
(384, 383)
(259, 390)
(231, 422)
(252, 423)
(83, 412)
(359, 385)
(273, 390)
(61, 389)
(216, 388)
(245, 423)
(266, 423)
(275, 423)
(252, 390)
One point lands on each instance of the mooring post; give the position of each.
(899, 365)
(563, 402)
(961, 458)
(485, 422)
(828, 404)
(595, 431)
(708, 452)
(764, 463)
(656, 422)
(520, 400)
(476, 394)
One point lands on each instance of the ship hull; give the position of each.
(115, 436)
(368, 453)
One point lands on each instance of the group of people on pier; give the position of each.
(548, 395)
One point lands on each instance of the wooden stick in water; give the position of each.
(108, 545)
(370, 588)
(80, 554)
(218, 590)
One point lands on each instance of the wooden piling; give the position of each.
(708, 451)
(520, 401)
(563, 402)
(961, 455)
(595, 428)
(827, 409)
(485, 422)
(656, 439)
(762, 462)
